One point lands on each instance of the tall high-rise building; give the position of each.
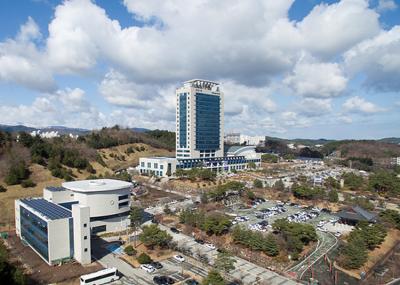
(199, 120)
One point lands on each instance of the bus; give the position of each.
(100, 277)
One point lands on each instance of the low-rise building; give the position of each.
(157, 166)
(396, 160)
(59, 225)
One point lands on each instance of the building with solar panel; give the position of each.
(58, 226)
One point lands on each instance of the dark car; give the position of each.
(199, 241)
(163, 280)
(156, 265)
(174, 230)
(192, 282)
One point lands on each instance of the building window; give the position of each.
(85, 225)
(123, 197)
(142, 164)
(85, 237)
(123, 204)
(85, 250)
(161, 166)
(149, 165)
(155, 165)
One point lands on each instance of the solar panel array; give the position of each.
(47, 209)
(55, 189)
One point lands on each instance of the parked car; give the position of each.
(147, 267)
(192, 282)
(175, 230)
(338, 234)
(179, 258)
(156, 265)
(210, 245)
(199, 241)
(163, 280)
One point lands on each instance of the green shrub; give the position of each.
(3, 189)
(129, 250)
(143, 258)
(16, 173)
(28, 183)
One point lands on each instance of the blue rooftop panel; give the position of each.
(50, 210)
(55, 189)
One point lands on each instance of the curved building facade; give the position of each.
(106, 198)
(108, 201)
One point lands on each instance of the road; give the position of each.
(326, 242)
(137, 276)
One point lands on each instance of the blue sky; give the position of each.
(303, 68)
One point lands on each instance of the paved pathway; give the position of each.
(246, 271)
(326, 241)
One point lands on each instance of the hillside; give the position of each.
(28, 164)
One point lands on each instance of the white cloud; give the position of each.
(332, 29)
(360, 105)
(386, 5)
(55, 109)
(249, 46)
(312, 107)
(22, 63)
(292, 119)
(379, 59)
(315, 79)
(345, 119)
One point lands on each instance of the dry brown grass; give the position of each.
(41, 176)
(116, 162)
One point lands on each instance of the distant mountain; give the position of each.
(391, 140)
(16, 128)
(139, 130)
(308, 142)
(60, 129)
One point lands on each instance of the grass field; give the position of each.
(42, 177)
(117, 157)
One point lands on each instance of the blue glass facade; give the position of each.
(183, 120)
(34, 231)
(208, 108)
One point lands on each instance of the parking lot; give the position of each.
(138, 276)
(263, 214)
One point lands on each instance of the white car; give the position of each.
(147, 267)
(338, 234)
(179, 258)
(210, 245)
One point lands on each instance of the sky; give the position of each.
(288, 68)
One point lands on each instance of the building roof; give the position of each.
(55, 189)
(47, 209)
(96, 185)
(356, 213)
(237, 149)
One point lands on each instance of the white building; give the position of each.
(396, 160)
(199, 134)
(157, 166)
(199, 120)
(59, 225)
(232, 138)
(251, 140)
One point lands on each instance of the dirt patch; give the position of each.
(155, 197)
(38, 271)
